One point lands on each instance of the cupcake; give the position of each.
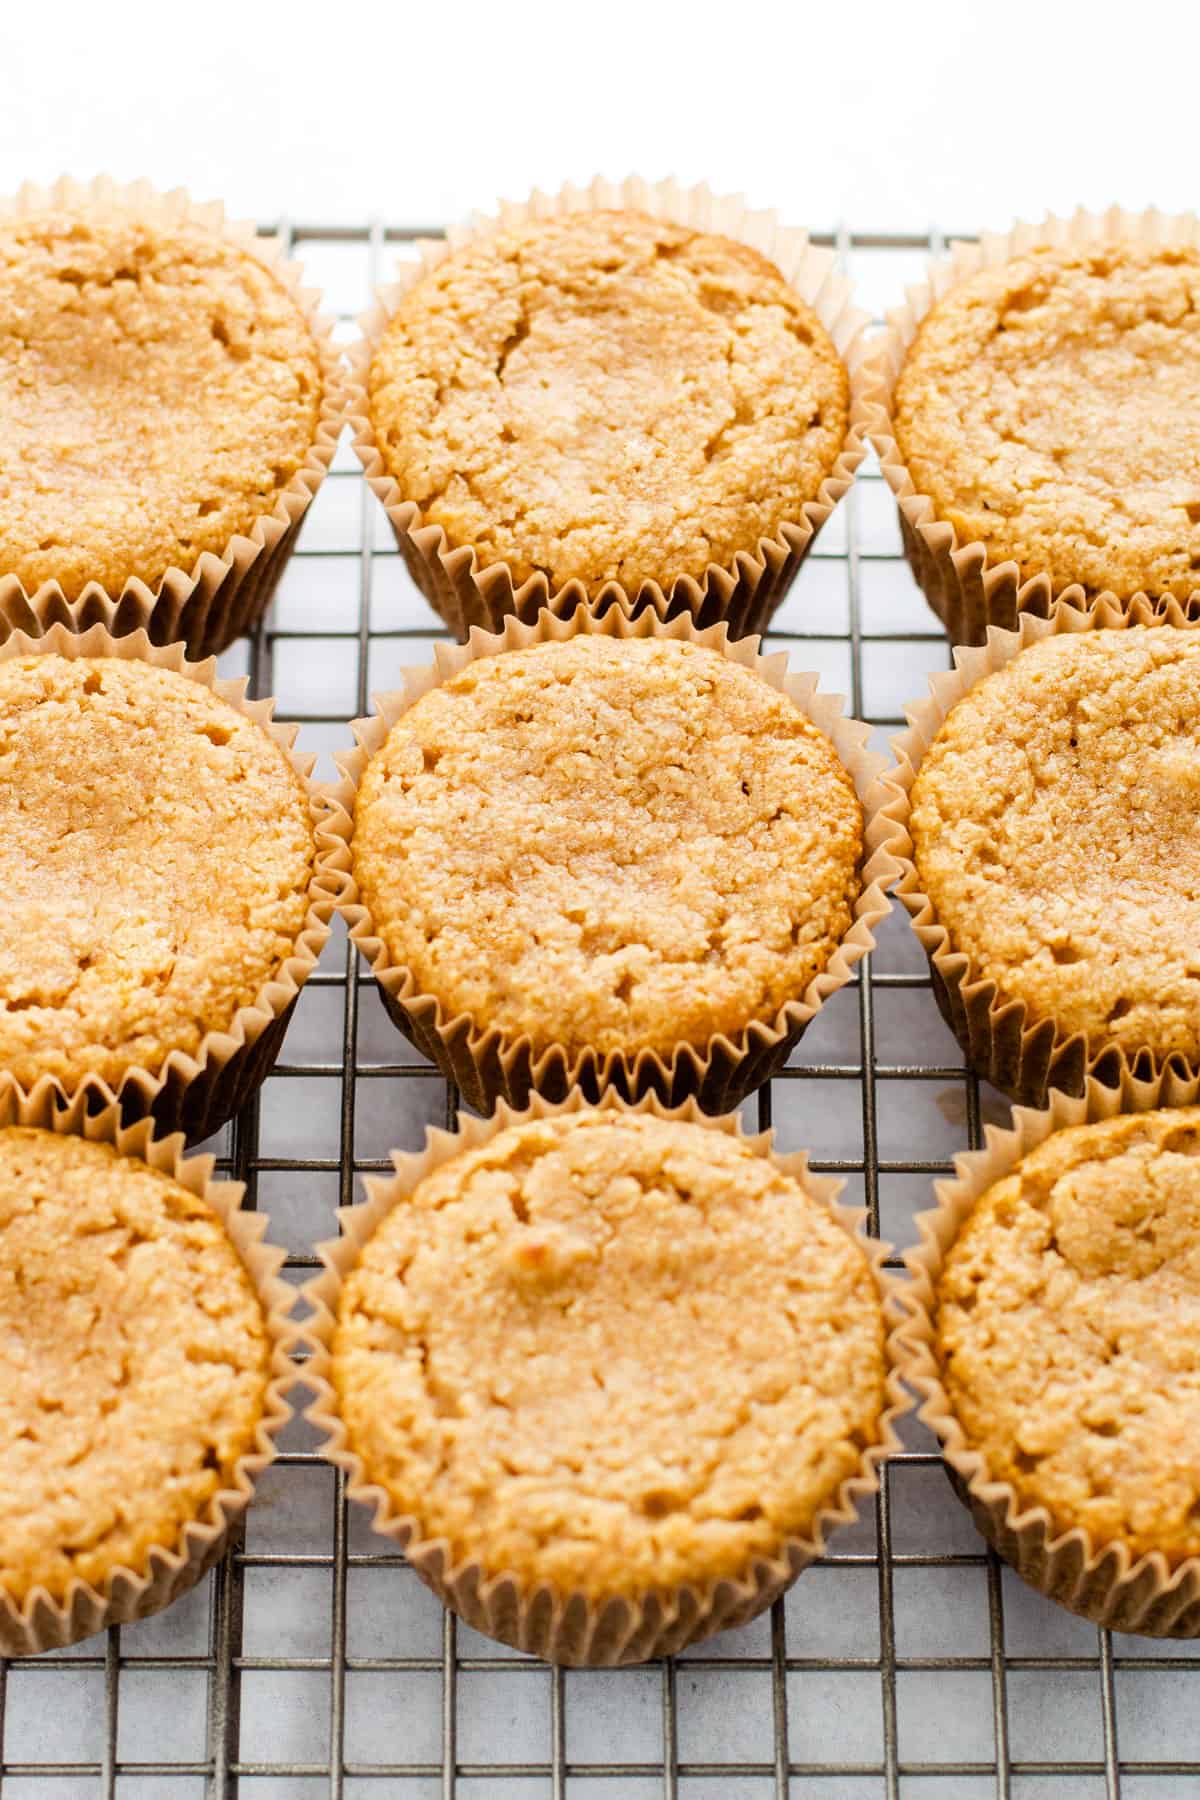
(628, 398)
(1056, 1339)
(610, 852)
(169, 404)
(143, 1362)
(1051, 797)
(1035, 410)
(507, 1367)
(164, 892)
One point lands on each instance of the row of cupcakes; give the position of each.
(173, 398)
(686, 725)
(638, 393)
(609, 1376)
(627, 853)
(616, 729)
(604, 852)
(600, 852)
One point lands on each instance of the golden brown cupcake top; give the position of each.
(621, 844)
(155, 857)
(133, 1361)
(1056, 829)
(1050, 407)
(606, 396)
(1068, 1330)
(159, 386)
(613, 1353)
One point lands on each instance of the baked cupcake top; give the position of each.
(1068, 1330)
(1056, 829)
(620, 844)
(159, 387)
(1050, 407)
(133, 1361)
(607, 396)
(613, 1353)
(155, 857)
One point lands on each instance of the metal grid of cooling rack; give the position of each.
(908, 1665)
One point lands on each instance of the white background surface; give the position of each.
(884, 114)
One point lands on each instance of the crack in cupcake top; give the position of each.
(1068, 1330)
(1050, 407)
(612, 1353)
(155, 857)
(615, 844)
(159, 387)
(607, 396)
(1056, 830)
(133, 1361)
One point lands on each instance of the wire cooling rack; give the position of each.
(908, 1665)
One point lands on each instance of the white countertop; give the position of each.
(888, 115)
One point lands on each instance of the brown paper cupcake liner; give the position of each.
(41, 1622)
(964, 583)
(197, 1094)
(1024, 1061)
(218, 598)
(485, 1064)
(743, 595)
(1101, 1582)
(569, 1627)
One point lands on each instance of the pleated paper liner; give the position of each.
(743, 595)
(1025, 1061)
(198, 1093)
(41, 1622)
(965, 584)
(568, 1627)
(1101, 1582)
(215, 600)
(485, 1064)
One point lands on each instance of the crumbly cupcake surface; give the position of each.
(607, 396)
(155, 856)
(159, 386)
(133, 1361)
(612, 1354)
(1050, 407)
(1056, 830)
(621, 844)
(1068, 1330)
